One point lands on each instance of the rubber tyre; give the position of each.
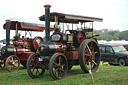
(122, 62)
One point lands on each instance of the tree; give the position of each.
(108, 35)
(123, 35)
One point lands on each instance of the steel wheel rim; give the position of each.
(12, 63)
(59, 66)
(90, 58)
(36, 67)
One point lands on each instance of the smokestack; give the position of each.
(47, 22)
(7, 26)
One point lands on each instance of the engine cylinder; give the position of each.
(49, 48)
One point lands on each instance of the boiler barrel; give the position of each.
(12, 50)
(50, 48)
(8, 50)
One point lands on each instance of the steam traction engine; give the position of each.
(63, 50)
(18, 52)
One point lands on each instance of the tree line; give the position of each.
(106, 34)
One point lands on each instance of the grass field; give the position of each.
(107, 75)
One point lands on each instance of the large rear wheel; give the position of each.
(58, 66)
(34, 66)
(89, 55)
(12, 63)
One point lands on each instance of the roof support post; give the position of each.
(56, 22)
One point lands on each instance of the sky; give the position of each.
(113, 12)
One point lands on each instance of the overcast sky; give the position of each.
(113, 12)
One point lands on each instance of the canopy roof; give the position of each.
(27, 26)
(68, 18)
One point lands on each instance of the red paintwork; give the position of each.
(25, 56)
(22, 50)
(23, 42)
(37, 41)
(60, 47)
(81, 37)
(22, 46)
(69, 54)
(26, 27)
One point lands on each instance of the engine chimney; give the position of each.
(47, 22)
(7, 26)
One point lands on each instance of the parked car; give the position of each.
(114, 54)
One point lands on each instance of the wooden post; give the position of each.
(91, 76)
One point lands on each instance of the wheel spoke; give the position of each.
(35, 67)
(96, 52)
(59, 60)
(87, 55)
(55, 63)
(94, 62)
(56, 72)
(89, 58)
(16, 62)
(37, 72)
(60, 72)
(12, 63)
(58, 66)
(15, 66)
(89, 50)
(63, 65)
(91, 45)
(61, 69)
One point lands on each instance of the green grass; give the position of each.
(107, 75)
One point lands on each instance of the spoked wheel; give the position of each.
(58, 66)
(34, 66)
(12, 63)
(89, 55)
(2, 63)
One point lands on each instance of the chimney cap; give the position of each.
(7, 20)
(47, 6)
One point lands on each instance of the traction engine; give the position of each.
(62, 50)
(21, 48)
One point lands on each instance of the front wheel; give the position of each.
(12, 63)
(58, 66)
(34, 66)
(89, 55)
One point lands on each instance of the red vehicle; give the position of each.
(65, 48)
(18, 52)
